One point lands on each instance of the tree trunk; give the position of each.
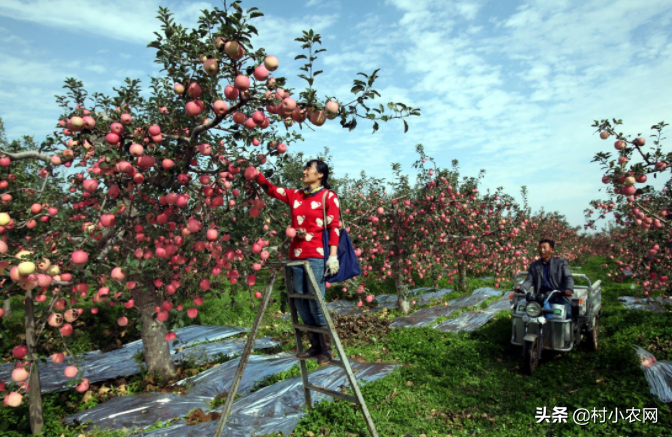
(462, 280)
(7, 306)
(156, 348)
(35, 390)
(402, 298)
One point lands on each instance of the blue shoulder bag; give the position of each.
(347, 260)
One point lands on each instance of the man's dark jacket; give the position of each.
(560, 275)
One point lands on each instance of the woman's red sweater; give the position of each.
(307, 214)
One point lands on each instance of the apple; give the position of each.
(57, 357)
(331, 109)
(261, 73)
(82, 386)
(317, 118)
(194, 90)
(70, 371)
(239, 118)
(210, 66)
(271, 63)
(250, 173)
(242, 82)
(232, 48)
(193, 109)
(220, 107)
(26, 268)
(231, 92)
(79, 257)
(76, 123)
(20, 352)
(14, 399)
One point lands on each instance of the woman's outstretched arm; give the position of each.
(281, 194)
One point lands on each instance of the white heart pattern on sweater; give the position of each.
(331, 194)
(329, 219)
(300, 218)
(281, 191)
(309, 236)
(315, 205)
(337, 202)
(319, 222)
(338, 232)
(297, 204)
(297, 252)
(320, 251)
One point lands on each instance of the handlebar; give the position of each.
(539, 297)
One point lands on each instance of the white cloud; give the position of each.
(126, 20)
(519, 101)
(96, 68)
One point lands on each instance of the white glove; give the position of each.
(332, 266)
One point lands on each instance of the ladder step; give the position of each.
(337, 363)
(301, 327)
(301, 296)
(334, 393)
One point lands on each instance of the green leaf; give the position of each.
(256, 14)
(300, 57)
(405, 126)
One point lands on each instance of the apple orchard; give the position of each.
(164, 200)
(640, 243)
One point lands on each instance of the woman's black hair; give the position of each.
(323, 168)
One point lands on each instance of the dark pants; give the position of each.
(308, 309)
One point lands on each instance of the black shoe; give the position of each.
(314, 350)
(327, 353)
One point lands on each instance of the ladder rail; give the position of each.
(246, 354)
(341, 351)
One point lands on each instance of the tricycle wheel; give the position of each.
(531, 356)
(592, 335)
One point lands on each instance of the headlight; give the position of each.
(533, 309)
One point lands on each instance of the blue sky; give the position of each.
(506, 86)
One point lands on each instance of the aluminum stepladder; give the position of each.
(298, 328)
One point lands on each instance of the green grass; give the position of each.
(446, 382)
(467, 384)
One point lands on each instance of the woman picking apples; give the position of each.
(306, 233)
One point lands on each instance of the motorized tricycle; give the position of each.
(539, 324)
